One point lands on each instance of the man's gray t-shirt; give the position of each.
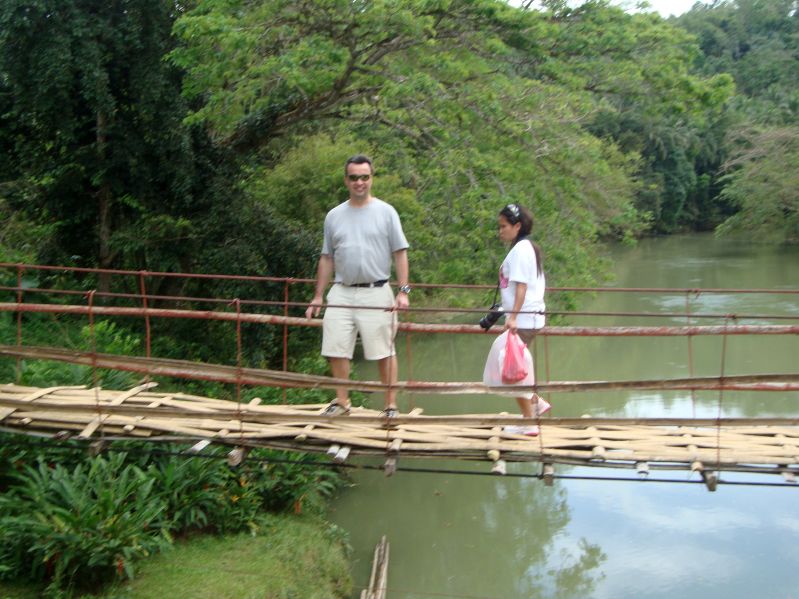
(362, 241)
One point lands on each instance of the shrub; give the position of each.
(81, 526)
(205, 493)
(290, 482)
(189, 489)
(77, 522)
(208, 494)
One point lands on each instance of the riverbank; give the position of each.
(294, 556)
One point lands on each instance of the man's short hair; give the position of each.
(358, 159)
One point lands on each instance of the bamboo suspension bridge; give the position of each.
(704, 446)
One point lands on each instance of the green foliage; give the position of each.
(189, 488)
(756, 43)
(79, 521)
(79, 527)
(291, 484)
(466, 106)
(752, 40)
(20, 239)
(762, 183)
(587, 114)
(441, 120)
(274, 564)
(309, 182)
(204, 493)
(101, 171)
(638, 70)
(97, 146)
(104, 337)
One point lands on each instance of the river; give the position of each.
(474, 536)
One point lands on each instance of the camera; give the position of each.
(490, 319)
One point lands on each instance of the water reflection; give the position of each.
(470, 535)
(676, 540)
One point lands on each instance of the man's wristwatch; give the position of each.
(406, 289)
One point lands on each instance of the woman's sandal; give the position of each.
(389, 413)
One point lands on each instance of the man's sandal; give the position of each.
(336, 409)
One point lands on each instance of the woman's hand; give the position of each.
(510, 323)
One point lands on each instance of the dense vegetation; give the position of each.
(757, 42)
(76, 521)
(209, 136)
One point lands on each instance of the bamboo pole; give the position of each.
(564, 331)
(252, 376)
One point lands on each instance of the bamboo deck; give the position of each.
(744, 445)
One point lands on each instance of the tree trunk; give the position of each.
(103, 213)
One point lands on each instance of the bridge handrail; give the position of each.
(295, 280)
(552, 331)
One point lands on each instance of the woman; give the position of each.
(522, 285)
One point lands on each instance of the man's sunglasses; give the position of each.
(354, 178)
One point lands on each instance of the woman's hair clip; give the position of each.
(513, 211)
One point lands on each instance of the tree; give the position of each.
(97, 141)
(435, 88)
(756, 42)
(102, 170)
(762, 182)
(638, 71)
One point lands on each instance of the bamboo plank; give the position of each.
(466, 420)
(118, 400)
(32, 395)
(674, 443)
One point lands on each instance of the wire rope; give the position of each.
(373, 467)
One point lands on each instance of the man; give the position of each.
(361, 236)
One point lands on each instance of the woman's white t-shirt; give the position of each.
(520, 266)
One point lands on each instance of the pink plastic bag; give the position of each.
(492, 373)
(514, 367)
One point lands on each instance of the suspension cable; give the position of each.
(308, 463)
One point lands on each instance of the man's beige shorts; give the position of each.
(341, 326)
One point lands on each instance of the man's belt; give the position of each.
(374, 284)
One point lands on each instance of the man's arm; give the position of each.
(401, 266)
(324, 271)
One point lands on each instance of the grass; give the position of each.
(293, 557)
(19, 590)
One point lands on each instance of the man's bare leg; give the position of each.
(388, 376)
(341, 370)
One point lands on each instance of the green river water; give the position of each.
(469, 536)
